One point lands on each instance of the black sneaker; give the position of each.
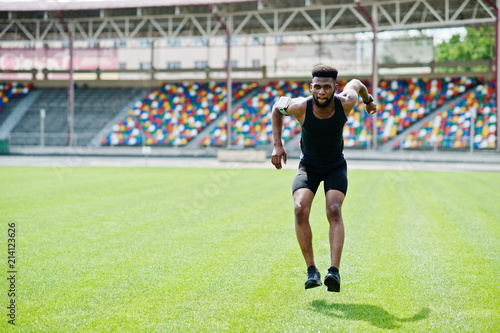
(313, 277)
(332, 279)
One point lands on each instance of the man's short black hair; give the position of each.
(325, 71)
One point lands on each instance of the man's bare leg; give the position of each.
(334, 200)
(302, 201)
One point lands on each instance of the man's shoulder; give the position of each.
(298, 105)
(301, 101)
(347, 101)
(338, 100)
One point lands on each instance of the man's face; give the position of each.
(322, 89)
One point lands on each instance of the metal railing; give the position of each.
(140, 74)
(448, 143)
(49, 139)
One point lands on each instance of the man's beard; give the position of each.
(318, 104)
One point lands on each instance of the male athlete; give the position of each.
(322, 117)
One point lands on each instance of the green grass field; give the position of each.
(214, 250)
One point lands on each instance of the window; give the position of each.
(173, 64)
(145, 43)
(256, 41)
(122, 65)
(201, 64)
(255, 63)
(144, 65)
(201, 42)
(173, 42)
(234, 63)
(234, 41)
(120, 44)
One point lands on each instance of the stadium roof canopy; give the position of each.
(95, 20)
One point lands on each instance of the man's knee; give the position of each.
(334, 212)
(302, 211)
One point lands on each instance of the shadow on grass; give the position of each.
(373, 314)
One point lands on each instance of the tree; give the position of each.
(477, 44)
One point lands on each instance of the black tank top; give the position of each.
(321, 140)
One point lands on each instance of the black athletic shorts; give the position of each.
(308, 176)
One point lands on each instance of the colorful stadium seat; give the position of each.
(251, 123)
(403, 102)
(9, 90)
(173, 113)
(451, 129)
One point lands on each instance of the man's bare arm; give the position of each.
(349, 97)
(296, 108)
(278, 150)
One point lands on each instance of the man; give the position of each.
(322, 117)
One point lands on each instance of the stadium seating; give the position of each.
(10, 97)
(10, 90)
(173, 113)
(251, 123)
(358, 129)
(405, 101)
(401, 103)
(93, 108)
(451, 129)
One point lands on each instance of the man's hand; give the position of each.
(371, 108)
(278, 153)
